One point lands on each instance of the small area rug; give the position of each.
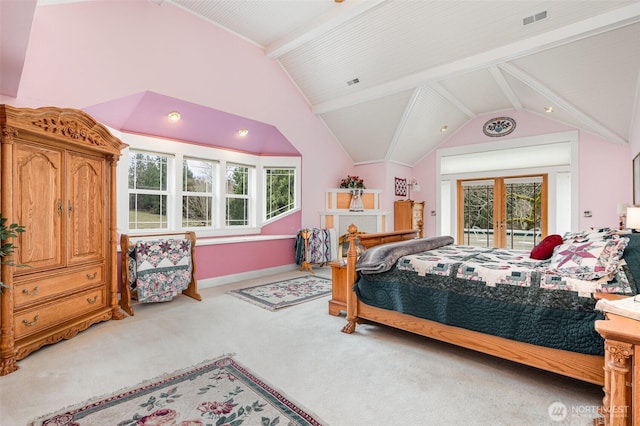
(285, 293)
(216, 392)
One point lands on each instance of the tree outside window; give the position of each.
(237, 195)
(197, 193)
(147, 191)
(280, 191)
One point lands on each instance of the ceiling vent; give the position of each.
(354, 81)
(534, 18)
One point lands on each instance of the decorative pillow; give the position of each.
(592, 234)
(588, 260)
(544, 249)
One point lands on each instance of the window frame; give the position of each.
(160, 192)
(181, 150)
(265, 203)
(214, 200)
(562, 209)
(249, 196)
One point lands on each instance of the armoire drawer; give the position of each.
(49, 314)
(35, 290)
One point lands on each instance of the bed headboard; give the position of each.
(370, 240)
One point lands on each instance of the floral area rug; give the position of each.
(216, 392)
(285, 293)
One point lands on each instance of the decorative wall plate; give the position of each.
(499, 126)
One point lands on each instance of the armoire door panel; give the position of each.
(38, 194)
(85, 208)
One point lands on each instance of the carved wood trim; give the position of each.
(8, 133)
(69, 124)
(620, 352)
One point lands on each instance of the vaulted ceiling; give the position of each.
(423, 65)
(387, 76)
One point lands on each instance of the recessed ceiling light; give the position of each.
(174, 116)
(243, 132)
(548, 109)
(444, 128)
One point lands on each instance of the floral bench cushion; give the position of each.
(159, 269)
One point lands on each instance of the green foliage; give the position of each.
(237, 209)
(148, 171)
(523, 203)
(352, 182)
(280, 191)
(7, 248)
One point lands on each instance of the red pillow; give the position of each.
(544, 249)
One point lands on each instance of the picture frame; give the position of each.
(400, 187)
(636, 180)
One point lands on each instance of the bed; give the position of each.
(499, 302)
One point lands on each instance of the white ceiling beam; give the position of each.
(337, 16)
(588, 27)
(562, 103)
(504, 86)
(437, 87)
(403, 123)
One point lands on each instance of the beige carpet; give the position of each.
(377, 376)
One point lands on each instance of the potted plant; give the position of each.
(7, 248)
(356, 185)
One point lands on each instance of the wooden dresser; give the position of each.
(407, 214)
(58, 181)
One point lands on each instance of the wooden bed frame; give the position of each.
(588, 368)
(125, 290)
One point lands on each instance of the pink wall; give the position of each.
(604, 167)
(86, 53)
(220, 260)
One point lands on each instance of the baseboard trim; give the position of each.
(228, 279)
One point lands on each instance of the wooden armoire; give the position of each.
(58, 177)
(408, 214)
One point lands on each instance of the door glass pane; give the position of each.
(478, 215)
(523, 215)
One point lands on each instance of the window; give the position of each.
(174, 186)
(198, 182)
(280, 191)
(237, 196)
(554, 155)
(503, 212)
(148, 190)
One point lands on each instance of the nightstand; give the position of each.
(622, 372)
(338, 300)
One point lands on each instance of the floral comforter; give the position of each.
(495, 291)
(160, 269)
(494, 266)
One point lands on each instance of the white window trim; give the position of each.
(448, 213)
(282, 162)
(215, 172)
(178, 151)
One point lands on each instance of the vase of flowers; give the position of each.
(356, 186)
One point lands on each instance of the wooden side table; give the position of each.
(621, 402)
(338, 300)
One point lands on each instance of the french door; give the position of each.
(509, 212)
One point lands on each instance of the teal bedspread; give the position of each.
(466, 290)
